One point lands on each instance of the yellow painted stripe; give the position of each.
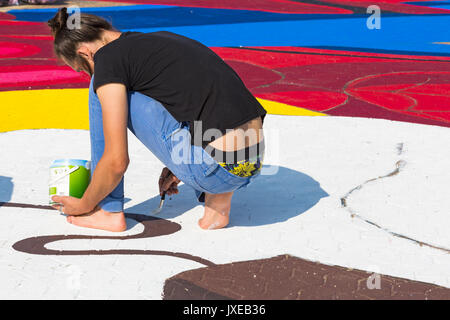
(274, 107)
(68, 109)
(44, 109)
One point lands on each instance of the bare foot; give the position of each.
(100, 219)
(217, 211)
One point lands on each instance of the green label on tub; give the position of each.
(79, 181)
(68, 180)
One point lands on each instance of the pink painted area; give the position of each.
(38, 75)
(5, 51)
(27, 37)
(33, 47)
(18, 23)
(17, 50)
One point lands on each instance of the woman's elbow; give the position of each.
(120, 165)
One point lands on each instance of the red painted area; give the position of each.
(356, 108)
(9, 51)
(17, 50)
(27, 60)
(420, 93)
(351, 53)
(18, 23)
(255, 76)
(6, 16)
(33, 47)
(442, 115)
(280, 6)
(391, 5)
(312, 100)
(292, 6)
(29, 75)
(404, 88)
(28, 37)
(347, 83)
(292, 56)
(387, 100)
(8, 27)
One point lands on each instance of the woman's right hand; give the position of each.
(168, 182)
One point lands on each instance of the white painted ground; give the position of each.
(296, 211)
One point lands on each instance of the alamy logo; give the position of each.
(74, 20)
(374, 21)
(374, 280)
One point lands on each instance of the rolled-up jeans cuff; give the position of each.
(111, 205)
(200, 195)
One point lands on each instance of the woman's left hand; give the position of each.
(70, 205)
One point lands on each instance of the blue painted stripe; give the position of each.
(231, 28)
(411, 33)
(171, 16)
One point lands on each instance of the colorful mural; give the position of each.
(297, 57)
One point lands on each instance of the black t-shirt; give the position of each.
(191, 81)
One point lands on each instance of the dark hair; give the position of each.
(67, 39)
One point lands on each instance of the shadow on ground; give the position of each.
(269, 199)
(6, 189)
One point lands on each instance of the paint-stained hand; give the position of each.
(168, 182)
(70, 205)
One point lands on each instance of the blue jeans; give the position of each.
(170, 141)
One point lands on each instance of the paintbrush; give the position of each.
(163, 197)
(161, 203)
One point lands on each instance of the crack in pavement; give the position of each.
(399, 165)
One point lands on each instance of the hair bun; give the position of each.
(59, 21)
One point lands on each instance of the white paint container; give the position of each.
(69, 177)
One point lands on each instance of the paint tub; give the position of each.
(69, 177)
